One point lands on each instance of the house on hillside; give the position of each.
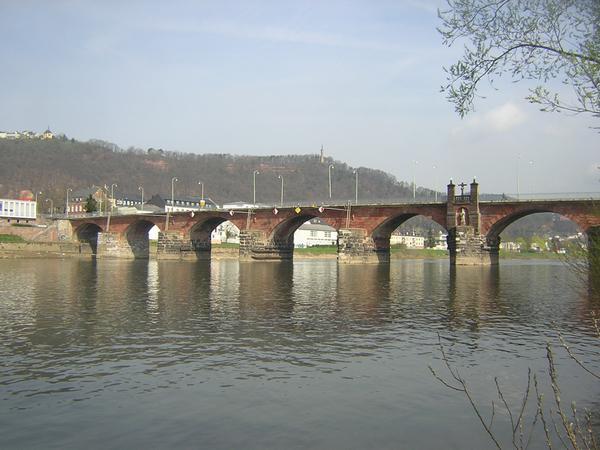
(78, 199)
(180, 204)
(134, 200)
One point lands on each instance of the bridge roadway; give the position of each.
(364, 231)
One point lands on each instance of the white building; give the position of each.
(409, 240)
(189, 204)
(441, 242)
(312, 234)
(510, 246)
(17, 209)
(225, 233)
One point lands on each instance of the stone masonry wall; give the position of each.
(112, 245)
(355, 246)
(255, 246)
(174, 245)
(468, 248)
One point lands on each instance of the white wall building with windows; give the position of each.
(225, 233)
(410, 241)
(17, 209)
(313, 234)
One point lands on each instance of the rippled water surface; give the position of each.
(138, 354)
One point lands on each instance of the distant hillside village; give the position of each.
(26, 134)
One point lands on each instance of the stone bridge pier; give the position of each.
(357, 246)
(467, 245)
(255, 245)
(175, 245)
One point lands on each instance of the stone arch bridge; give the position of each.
(364, 231)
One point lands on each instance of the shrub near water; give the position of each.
(11, 238)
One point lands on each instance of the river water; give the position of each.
(222, 354)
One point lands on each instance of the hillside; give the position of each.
(52, 166)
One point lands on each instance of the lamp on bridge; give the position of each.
(173, 180)
(140, 188)
(281, 199)
(355, 172)
(256, 172)
(112, 195)
(67, 204)
(51, 206)
(331, 166)
(36, 199)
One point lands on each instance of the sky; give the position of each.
(360, 78)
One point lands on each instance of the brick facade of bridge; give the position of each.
(364, 231)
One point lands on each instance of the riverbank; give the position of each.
(16, 247)
(24, 249)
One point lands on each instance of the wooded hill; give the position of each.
(52, 166)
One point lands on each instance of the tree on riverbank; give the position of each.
(527, 40)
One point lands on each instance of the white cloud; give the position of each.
(504, 117)
(499, 120)
(271, 33)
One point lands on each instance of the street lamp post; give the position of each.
(140, 188)
(67, 204)
(435, 182)
(256, 172)
(355, 187)
(281, 199)
(112, 195)
(331, 166)
(414, 179)
(173, 180)
(201, 190)
(36, 200)
(51, 206)
(518, 186)
(531, 162)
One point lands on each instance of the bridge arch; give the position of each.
(496, 228)
(200, 234)
(137, 238)
(283, 233)
(87, 233)
(383, 232)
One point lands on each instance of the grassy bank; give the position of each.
(530, 255)
(420, 253)
(11, 238)
(415, 253)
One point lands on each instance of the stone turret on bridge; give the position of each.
(466, 244)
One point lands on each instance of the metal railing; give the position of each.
(524, 197)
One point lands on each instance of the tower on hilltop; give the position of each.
(47, 134)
